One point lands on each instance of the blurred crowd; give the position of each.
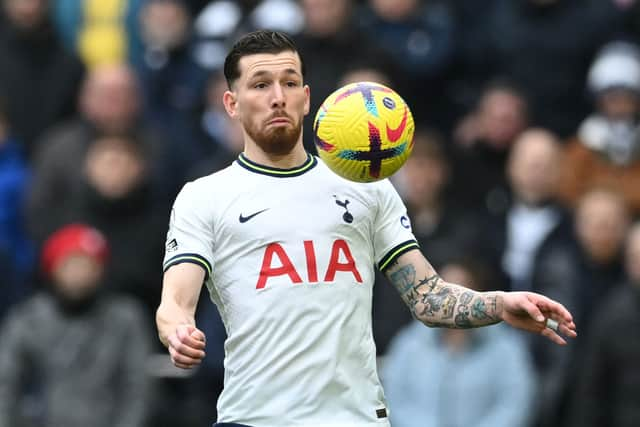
(525, 175)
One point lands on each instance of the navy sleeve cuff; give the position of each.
(395, 252)
(192, 258)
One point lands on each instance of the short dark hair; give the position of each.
(261, 41)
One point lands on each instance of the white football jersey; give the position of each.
(289, 256)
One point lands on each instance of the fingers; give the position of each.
(532, 309)
(186, 347)
(541, 315)
(191, 336)
(568, 330)
(198, 335)
(557, 310)
(560, 326)
(182, 361)
(553, 336)
(559, 315)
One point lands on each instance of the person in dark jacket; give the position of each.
(608, 385)
(510, 238)
(535, 43)
(38, 79)
(114, 195)
(580, 269)
(73, 355)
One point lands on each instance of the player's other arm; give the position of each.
(438, 303)
(175, 317)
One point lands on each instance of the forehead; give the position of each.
(274, 63)
(601, 204)
(634, 236)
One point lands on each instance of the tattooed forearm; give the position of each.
(438, 303)
(446, 304)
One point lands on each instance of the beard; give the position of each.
(276, 140)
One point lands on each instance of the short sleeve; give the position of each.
(190, 235)
(392, 228)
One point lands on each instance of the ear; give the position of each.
(307, 101)
(230, 103)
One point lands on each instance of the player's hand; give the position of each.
(539, 314)
(186, 346)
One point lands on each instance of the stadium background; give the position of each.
(108, 106)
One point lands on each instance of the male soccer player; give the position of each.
(287, 250)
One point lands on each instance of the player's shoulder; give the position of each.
(210, 184)
(217, 176)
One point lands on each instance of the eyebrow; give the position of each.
(262, 73)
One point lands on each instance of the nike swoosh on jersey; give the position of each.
(395, 134)
(244, 219)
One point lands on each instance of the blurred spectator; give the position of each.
(72, 355)
(366, 73)
(609, 379)
(38, 78)
(419, 38)
(482, 142)
(443, 231)
(213, 27)
(171, 80)
(220, 21)
(16, 251)
(113, 194)
(218, 138)
(116, 198)
(628, 12)
(579, 270)
(470, 70)
(102, 32)
(447, 377)
(606, 149)
(329, 43)
(537, 44)
(512, 237)
(109, 105)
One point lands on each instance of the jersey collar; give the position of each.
(277, 172)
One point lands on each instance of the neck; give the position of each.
(293, 158)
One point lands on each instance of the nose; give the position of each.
(278, 99)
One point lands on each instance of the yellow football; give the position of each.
(364, 131)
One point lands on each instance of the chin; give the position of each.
(278, 141)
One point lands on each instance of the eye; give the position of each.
(292, 84)
(260, 85)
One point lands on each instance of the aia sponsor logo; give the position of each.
(276, 262)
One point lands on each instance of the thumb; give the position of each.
(197, 334)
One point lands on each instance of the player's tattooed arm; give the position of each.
(438, 303)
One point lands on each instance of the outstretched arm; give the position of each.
(438, 303)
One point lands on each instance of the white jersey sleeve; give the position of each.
(392, 228)
(190, 235)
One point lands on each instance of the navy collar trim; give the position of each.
(251, 166)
